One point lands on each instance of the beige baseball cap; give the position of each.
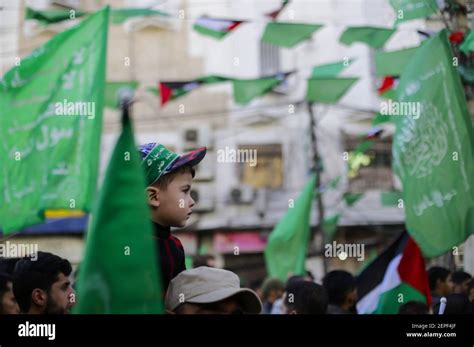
(205, 285)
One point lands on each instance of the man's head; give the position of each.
(461, 281)
(304, 297)
(206, 290)
(42, 286)
(341, 288)
(272, 289)
(414, 307)
(7, 265)
(169, 178)
(8, 304)
(439, 280)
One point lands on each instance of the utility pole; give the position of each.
(317, 168)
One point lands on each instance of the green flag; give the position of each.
(51, 123)
(330, 226)
(52, 16)
(352, 198)
(413, 9)
(392, 63)
(390, 198)
(288, 35)
(381, 118)
(246, 90)
(433, 150)
(328, 90)
(466, 73)
(112, 90)
(120, 15)
(119, 273)
(330, 70)
(374, 37)
(468, 43)
(285, 253)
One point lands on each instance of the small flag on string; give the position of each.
(388, 83)
(274, 14)
(120, 15)
(392, 63)
(374, 133)
(328, 90)
(52, 16)
(174, 89)
(288, 35)
(330, 70)
(216, 28)
(247, 90)
(373, 36)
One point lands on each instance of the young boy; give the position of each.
(169, 177)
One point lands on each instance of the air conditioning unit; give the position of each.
(203, 195)
(242, 195)
(196, 137)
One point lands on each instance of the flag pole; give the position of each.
(317, 169)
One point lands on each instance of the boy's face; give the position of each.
(174, 204)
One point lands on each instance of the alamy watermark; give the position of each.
(18, 250)
(345, 250)
(231, 155)
(401, 108)
(76, 108)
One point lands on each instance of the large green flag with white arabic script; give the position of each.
(51, 115)
(433, 149)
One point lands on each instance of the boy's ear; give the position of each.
(153, 195)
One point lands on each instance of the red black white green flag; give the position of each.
(395, 277)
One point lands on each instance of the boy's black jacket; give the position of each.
(171, 255)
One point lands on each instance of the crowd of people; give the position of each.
(42, 285)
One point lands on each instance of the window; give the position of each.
(378, 174)
(268, 171)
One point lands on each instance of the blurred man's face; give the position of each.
(61, 296)
(446, 286)
(9, 304)
(228, 306)
(471, 294)
(462, 288)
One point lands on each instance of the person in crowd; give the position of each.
(204, 260)
(342, 292)
(42, 285)
(7, 265)
(439, 280)
(169, 177)
(461, 282)
(414, 307)
(456, 303)
(277, 307)
(206, 290)
(272, 290)
(305, 297)
(8, 304)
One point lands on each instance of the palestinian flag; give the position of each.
(215, 27)
(374, 133)
(395, 277)
(274, 14)
(172, 90)
(388, 86)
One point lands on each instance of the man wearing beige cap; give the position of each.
(206, 290)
